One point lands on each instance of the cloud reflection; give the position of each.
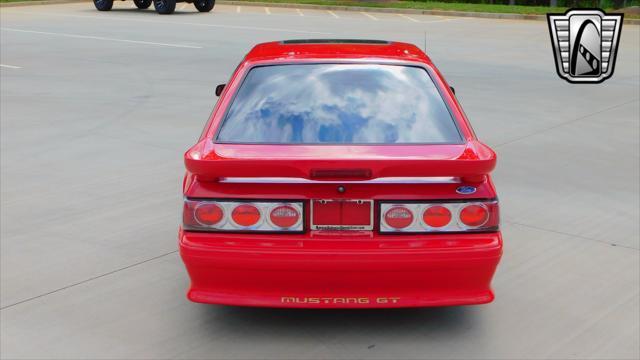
(338, 103)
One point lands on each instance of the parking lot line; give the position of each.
(90, 279)
(131, 19)
(238, 9)
(266, 10)
(299, 12)
(407, 17)
(369, 15)
(333, 14)
(10, 66)
(102, 38)
(183, 6)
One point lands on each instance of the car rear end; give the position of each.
(326, 181)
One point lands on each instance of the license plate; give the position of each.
(342, 215)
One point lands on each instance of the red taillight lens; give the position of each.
(245, 215)
(436, 216)
(398, 217)
(474, 215)
(221, 215)
(208, 214)
(440, 217)
(284, 216)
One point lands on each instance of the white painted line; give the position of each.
(183, 6)
(407, 17)
(102, 38)
(10, 66)
(133, 5)
(266, 9)
(299, 12)
(238, 9)
(333, 14)
(369, 16)
(145, 20)
(443, 20)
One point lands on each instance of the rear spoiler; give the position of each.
(210, 162)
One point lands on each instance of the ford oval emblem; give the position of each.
(466, 190)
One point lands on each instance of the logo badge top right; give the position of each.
(585, 44)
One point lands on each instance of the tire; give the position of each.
(164, 6)
(204, 5)
(103, 5)
(142, 4)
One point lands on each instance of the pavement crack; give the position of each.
(88, 280)
(573, 235)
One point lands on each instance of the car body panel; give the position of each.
(323, 269)
(339, 268)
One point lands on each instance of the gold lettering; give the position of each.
(337, 300)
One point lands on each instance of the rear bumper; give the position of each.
(331, 270)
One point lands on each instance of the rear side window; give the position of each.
(338, 104)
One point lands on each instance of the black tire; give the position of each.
(103, 5)
(142, 4)
(164, 6)
(204, 5)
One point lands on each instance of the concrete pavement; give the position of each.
(97, 109)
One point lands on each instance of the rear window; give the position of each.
(338, 104)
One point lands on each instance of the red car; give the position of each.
(339, 174)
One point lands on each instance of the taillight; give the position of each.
(211, 215)
(284, 216)
(440, 217)
(398, 217)
(208, 214)
(474, 215)
(436, 216)
(245, 215)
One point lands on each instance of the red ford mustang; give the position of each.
(339, 174)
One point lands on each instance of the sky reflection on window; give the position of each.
(338, 104)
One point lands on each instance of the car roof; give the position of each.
(288, 50)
